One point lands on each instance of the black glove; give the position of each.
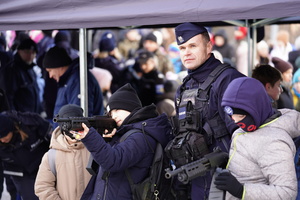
(226, 181)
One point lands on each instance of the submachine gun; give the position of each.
(100, 123)
(199, 167)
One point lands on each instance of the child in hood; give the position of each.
(261, 163)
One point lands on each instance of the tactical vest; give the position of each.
(193, 129)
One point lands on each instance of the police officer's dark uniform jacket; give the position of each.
(212, 122)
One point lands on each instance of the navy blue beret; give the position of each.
(187, 30)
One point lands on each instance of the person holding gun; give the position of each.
(261, 156)
(62, 173)
(134, 154)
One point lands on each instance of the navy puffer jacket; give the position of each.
(69, 91)
(133, 154)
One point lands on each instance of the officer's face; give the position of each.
(195, 52)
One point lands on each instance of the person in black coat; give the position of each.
(19, 80)
(24, 138)
(151, 83)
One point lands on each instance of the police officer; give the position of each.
(195, 53)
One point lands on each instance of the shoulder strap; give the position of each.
(213, 75)
(128, 133)
(51, 160)
(205, 87)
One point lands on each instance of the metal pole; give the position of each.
(249, 48)
(254, 44)
(83, 71)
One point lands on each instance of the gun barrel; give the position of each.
(98, 122)
(169, 173)
(199, 167)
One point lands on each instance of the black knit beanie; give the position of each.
(7, 125)
(56, 57)
(151, 37)
(70, 110)
(28, 44)
(125, 98)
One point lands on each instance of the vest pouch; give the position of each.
(189, 119)
(186, 147)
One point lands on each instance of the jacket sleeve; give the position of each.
(45, 182)
(277, 165)
(123, 155)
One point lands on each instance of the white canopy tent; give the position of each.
(75, 14)
(83, 14)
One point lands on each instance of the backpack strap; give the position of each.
(128, 133)
(51, 160)
(158, 156)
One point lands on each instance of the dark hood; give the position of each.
(155, 124)
(248, 94)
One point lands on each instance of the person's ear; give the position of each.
(268, 86)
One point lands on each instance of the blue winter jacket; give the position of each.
(69, 91)
(133, 154)
(201, 185)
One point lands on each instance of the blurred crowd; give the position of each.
(39, 69)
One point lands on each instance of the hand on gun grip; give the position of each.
(226, 181)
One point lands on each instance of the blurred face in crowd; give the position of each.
(56, 73)
(195, 52)
(287, 76)
(150, 45)
(274, 91)
(219, 41)
(27, 55)
(133, 35)
(119, 115)
(147, 66)
(7, 138)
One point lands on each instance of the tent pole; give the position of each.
(83, 71)
(249, 47)
(254, 44)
